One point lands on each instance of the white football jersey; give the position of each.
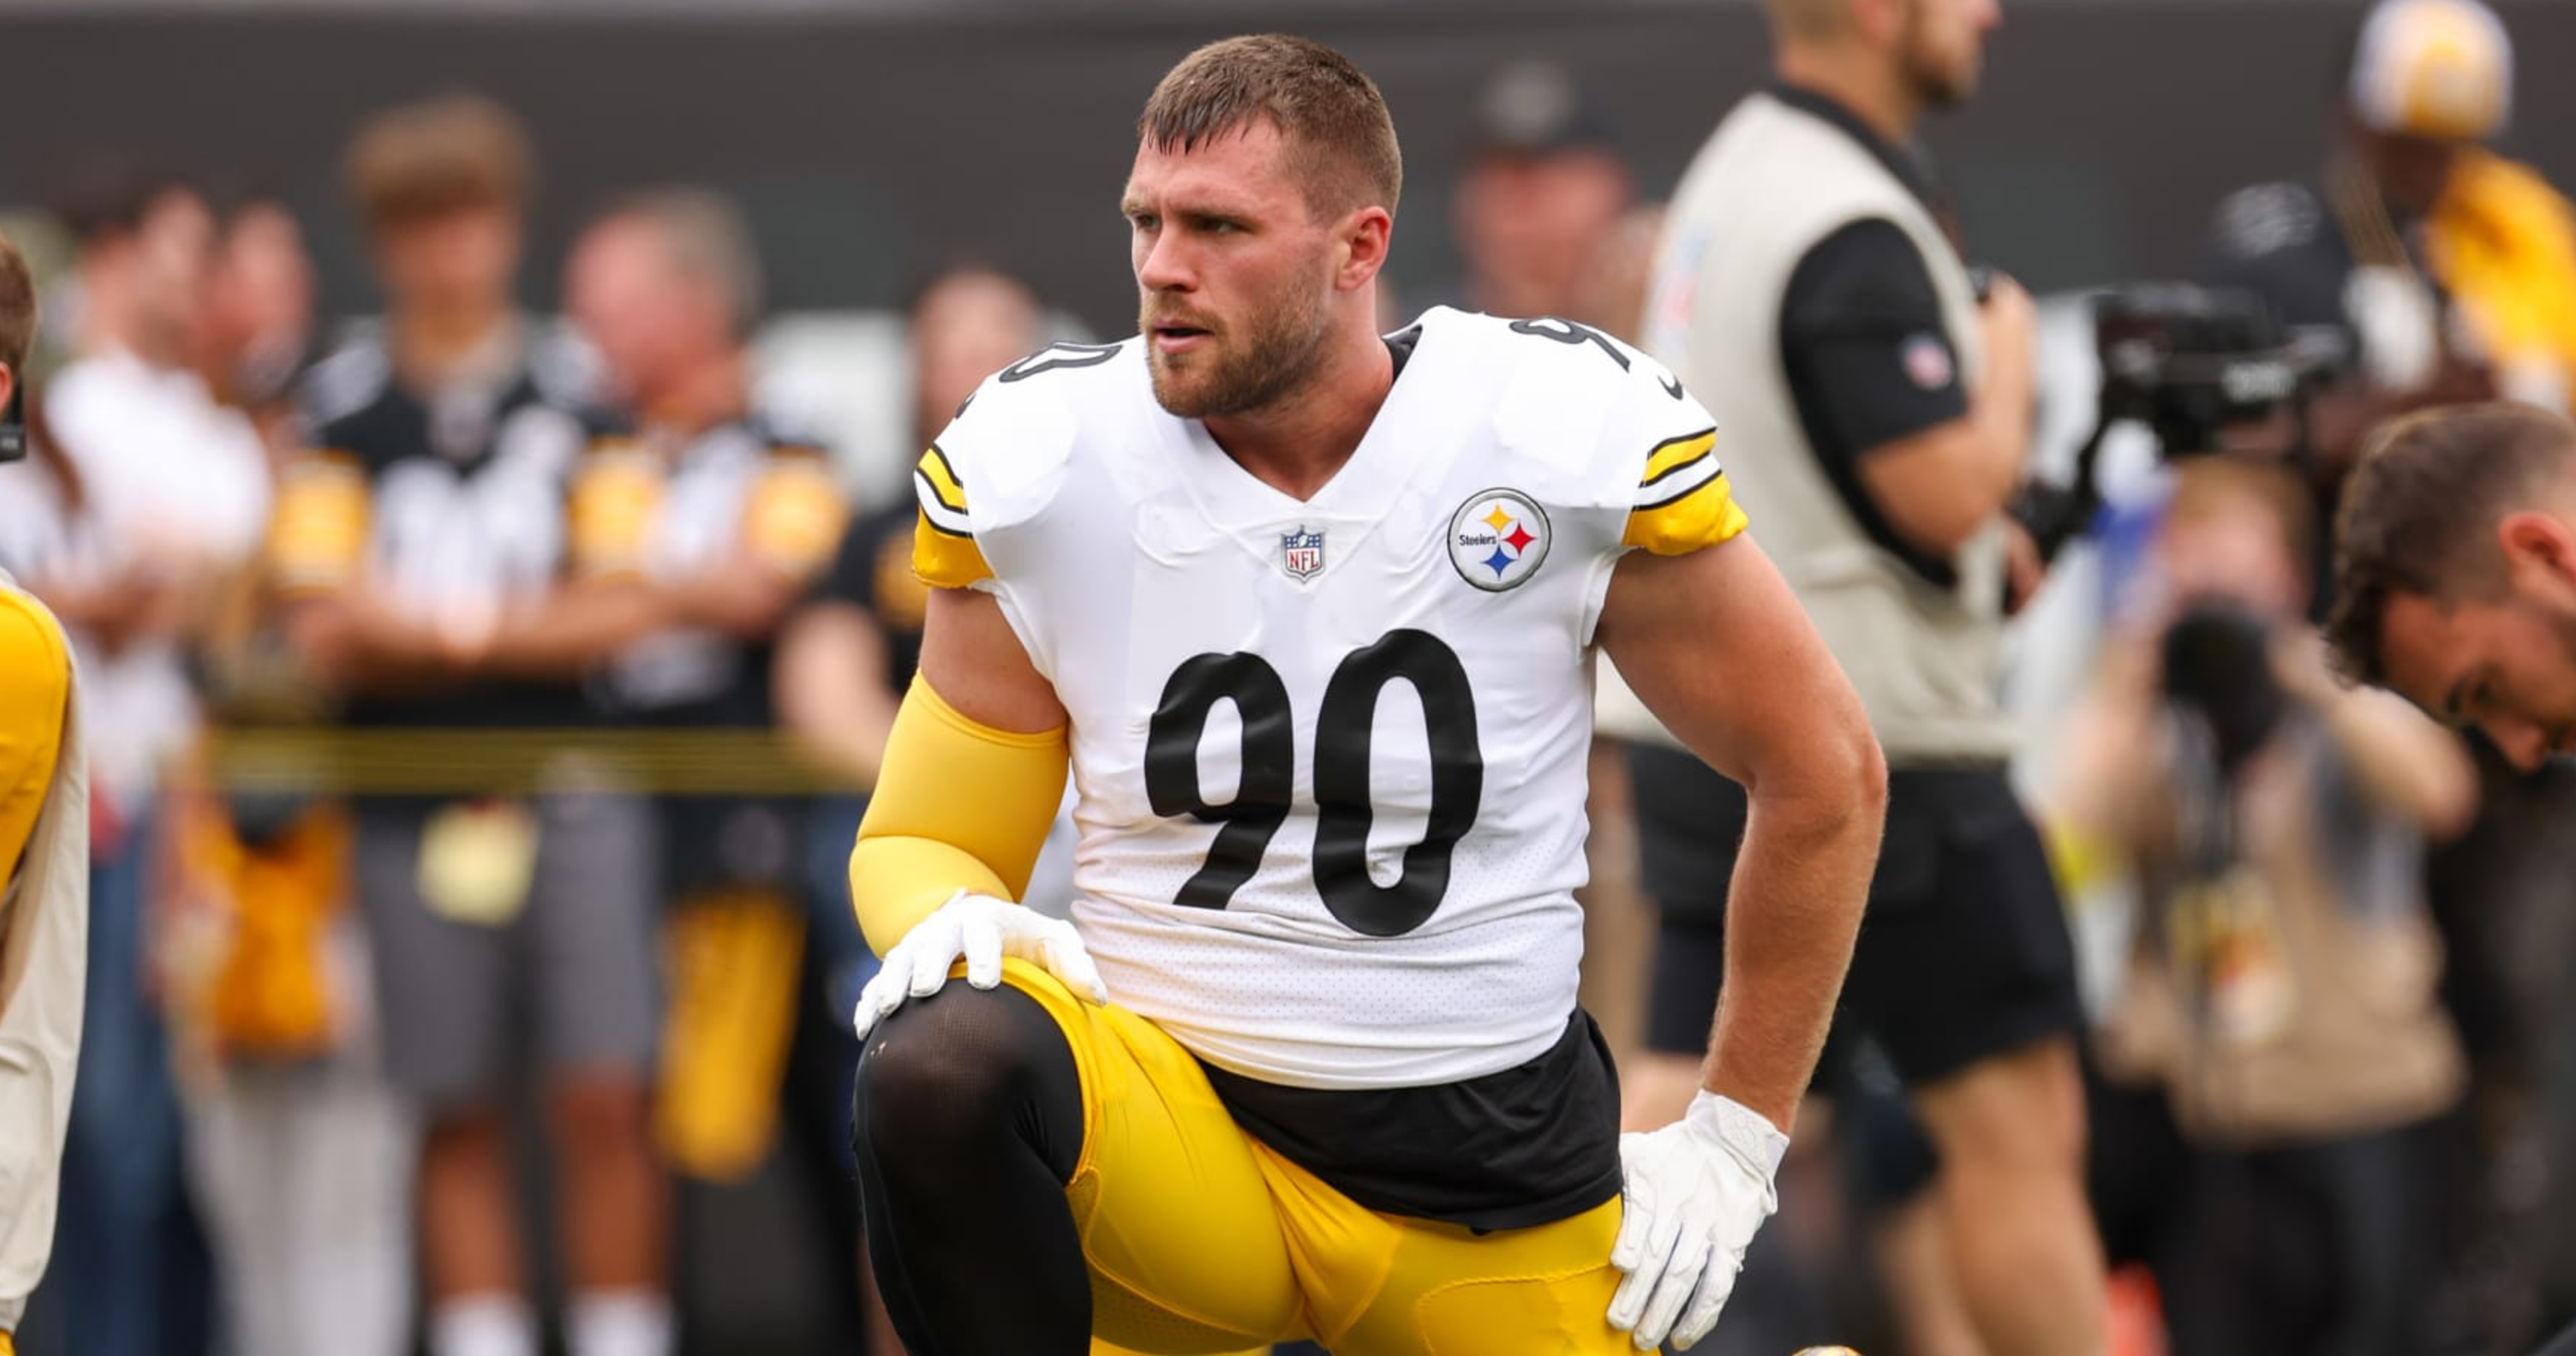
(1330, 754)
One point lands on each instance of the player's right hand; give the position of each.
(980, 930)
(1695, 1192)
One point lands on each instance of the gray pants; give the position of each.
(569, 978)
(303, 1174)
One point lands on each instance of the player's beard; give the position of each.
(1243, 369)
(2561, 722)
(1936, 80)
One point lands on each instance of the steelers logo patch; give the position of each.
(1497, 539)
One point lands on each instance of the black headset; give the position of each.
(13, 421)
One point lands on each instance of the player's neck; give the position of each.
(1857, 79)
(112, 320)
(1297, 443)
(436, 346)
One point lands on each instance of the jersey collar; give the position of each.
(1362, 491)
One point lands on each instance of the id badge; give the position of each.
(478, 860)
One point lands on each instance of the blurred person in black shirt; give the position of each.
(698, 519)
(850, 650)
(428, 523)
(1877, 398)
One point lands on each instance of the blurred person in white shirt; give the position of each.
(173, 493)
(299, 1151)
(260, 332)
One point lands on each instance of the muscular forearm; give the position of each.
(1800, 882)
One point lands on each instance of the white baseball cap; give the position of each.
(2433, 68)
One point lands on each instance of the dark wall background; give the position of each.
(869, 147)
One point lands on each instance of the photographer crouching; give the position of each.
(2281, 987)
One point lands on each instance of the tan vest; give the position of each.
(2310, 1015)
(44, 949)
(1772, 183)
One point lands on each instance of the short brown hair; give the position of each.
(2419, 514)
(709, 239)
(427, 159)
(1808, 19)
(1341, 141)
(17, 310)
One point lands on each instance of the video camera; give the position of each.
(13, 423)
(2187, 362)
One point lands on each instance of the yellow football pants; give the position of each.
(1201, 1240)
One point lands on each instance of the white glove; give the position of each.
(1696, 1190)
(983, 930)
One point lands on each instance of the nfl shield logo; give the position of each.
(1301, 553)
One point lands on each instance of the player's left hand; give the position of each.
(1696, 1191)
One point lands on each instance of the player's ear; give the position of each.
(1361, 246)
(2539, 551)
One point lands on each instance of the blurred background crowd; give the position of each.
(470, 453)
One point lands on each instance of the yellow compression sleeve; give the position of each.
(958, 806)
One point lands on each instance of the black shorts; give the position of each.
(1964, 953)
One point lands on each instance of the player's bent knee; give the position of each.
(967, 1063)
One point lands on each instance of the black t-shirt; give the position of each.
(873, 573)
(2279, 242)
(1864, 342)
(465, 508)
(2284, 243)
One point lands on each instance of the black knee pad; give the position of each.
(968, 1065)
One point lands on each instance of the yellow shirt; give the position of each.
(2503, 242)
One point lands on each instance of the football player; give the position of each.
(1309, 608)
(2455, 572)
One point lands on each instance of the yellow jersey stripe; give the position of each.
(1673, 454)
(941, 519)
(945, 559)
(319, 529)
(941, 480)
(1702, 516)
